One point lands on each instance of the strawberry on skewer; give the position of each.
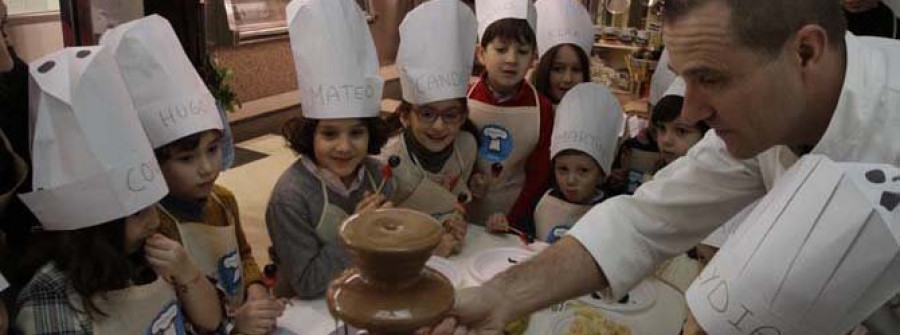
(387, 172)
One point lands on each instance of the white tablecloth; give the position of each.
(311, 317)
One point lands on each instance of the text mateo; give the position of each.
(326, 95)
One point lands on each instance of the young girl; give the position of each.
(585, 136)
(339, 129)
(437, 41)
(565, 37)
(96, 185)
(197, 213)
(514, 121)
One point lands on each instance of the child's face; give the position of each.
(565, 72)
(435, 125)
(506, 62)
(190, 174)
(578, 177)
(340, 146)
(139, 227)
(676, 138)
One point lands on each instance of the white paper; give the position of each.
(437, 46)
(817, 255)
(92, 161)
(337, 67)
(561, 22)
(588, 119)
(169, 95)
(3, 283)
(490, 11)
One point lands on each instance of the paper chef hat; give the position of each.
(490, 11)
(337, 67)
(171, 99)
(662, 78)
(437, 46)
(92, 160)
(561, 22)
(588, 119)
(817, 255)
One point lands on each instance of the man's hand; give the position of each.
(478, 310)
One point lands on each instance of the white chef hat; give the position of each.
(437, 46)
(490, 11)
(817, 255)
(337, 67)
(171, 99)
(92, 161)
(662, 78)
(588, 119)
(561, 22)
(675, 89)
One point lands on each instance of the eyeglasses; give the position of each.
(429, 116)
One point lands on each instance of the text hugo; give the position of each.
(738, 315)
(173, 114)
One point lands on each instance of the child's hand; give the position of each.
(372, 202)
(497, 223)
(257, 316)
(478, 184)
(447, 246)
(457, 227)
(169, 259)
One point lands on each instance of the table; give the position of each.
(311, 317)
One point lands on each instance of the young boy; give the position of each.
(674, 136)
(585, 136)
(183, 125)
(514, 121)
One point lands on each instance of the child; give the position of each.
(585, 135)
(674, 136)
(334, 176)
(437, 41)
(197, 213)
(97, 184)
(514, 121)
(565, 37)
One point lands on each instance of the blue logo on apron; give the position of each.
(228, 272)
(557, 233)
(496, 143)
(169, 321)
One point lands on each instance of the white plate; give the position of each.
(446, 268)
(488, 263)
(640, 299)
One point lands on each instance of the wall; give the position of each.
(35, 35)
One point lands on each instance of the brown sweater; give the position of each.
(215, 215)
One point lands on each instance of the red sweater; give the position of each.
(537, 168)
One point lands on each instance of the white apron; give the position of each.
(215, 250)
(332, 215)
(553, 217)
(19, 172)
(508, 135)
(430, 194)
(146, 309)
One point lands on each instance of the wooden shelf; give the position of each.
(617, 46)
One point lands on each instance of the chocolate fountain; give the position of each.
(389, 290)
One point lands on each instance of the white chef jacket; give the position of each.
(629, 235)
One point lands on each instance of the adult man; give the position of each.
(773, 78)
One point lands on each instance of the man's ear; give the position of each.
(810, 43)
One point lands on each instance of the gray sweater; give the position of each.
(306, 262)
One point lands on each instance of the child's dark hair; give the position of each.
(668, 109)
(545, 66)
(395, 127)
(95, 262)
(300, 132)
(509, 29)
(187, 143)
